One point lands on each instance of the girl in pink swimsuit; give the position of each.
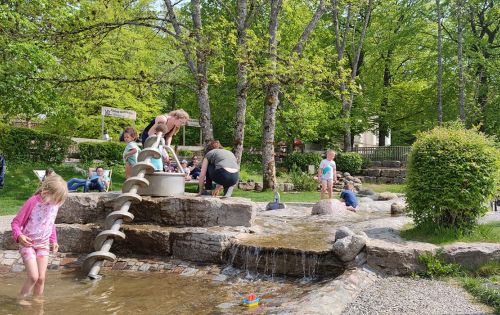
(34, 229)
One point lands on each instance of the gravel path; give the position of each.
(395, 295)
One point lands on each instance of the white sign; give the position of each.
(116, 112)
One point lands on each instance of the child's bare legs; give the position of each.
(42, 262)
(128, 169)
(36, 268)
(32, 273)
(323, 189)
(330, 189)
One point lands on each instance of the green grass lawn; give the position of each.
(489, 233)
(21, 182)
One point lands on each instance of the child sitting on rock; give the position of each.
(349, 197)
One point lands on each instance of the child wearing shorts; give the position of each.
(131, 150)
(34, 229)
(327, 174)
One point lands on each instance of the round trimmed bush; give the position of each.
(452, 174)
(349, 162)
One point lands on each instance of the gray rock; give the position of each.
(288, 187)
(195, 211)
(348, 248)
(357, 180)
(258, 186)
(398, 259)
(387, 196)
(389, 163)
(332, 207)
(77, 238)
(472, 255)
(342, 232)
(391, 172)
(346, 174)
(366, 192)
(372, 172)
(247, 186)
(397, 208)
(85, 207)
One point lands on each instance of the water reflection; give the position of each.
(146, 293)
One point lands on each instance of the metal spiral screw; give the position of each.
(104, 240)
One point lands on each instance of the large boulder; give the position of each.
(471, 255)
(387, 196)
(397, 208)
(398, 259)
(85, 208)
(347, 248)
(192, 210)
(342, 232)
(332, 207)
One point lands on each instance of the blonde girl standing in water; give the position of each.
(34, 229)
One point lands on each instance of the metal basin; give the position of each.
(162, 184)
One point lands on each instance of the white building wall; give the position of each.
(369, 139)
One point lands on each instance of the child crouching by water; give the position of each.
(34, 229)
(131, 150)
(349, 197)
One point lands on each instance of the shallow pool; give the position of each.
(147, 293)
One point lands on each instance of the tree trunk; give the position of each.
(347, 109)
(383, 129)
(202, 76)
(242, 86)
(440, 67)
(461, 83)
(199, 71)
(271, 103)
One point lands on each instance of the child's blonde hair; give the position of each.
(53, 189)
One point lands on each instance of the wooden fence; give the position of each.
(393, 153)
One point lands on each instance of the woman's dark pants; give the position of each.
(221, 177)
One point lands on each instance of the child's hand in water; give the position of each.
(25, 241)
(55, 247)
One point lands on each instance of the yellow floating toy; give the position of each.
(251, 301)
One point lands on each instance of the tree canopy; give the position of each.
(60, 61)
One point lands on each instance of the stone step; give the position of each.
(187, 210)
(190, 243)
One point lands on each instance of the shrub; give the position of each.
(302, 160)
(186, 153)
(349, 162)
(251, 158)
(436, 267)
(452, 173)
(302, 181)
(106, 151)
(23, 144)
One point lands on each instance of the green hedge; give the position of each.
(106, 151)
(29, 145)
(349, 162)
(452, 174)
(302, 160)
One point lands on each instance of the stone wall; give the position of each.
(383, 175)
